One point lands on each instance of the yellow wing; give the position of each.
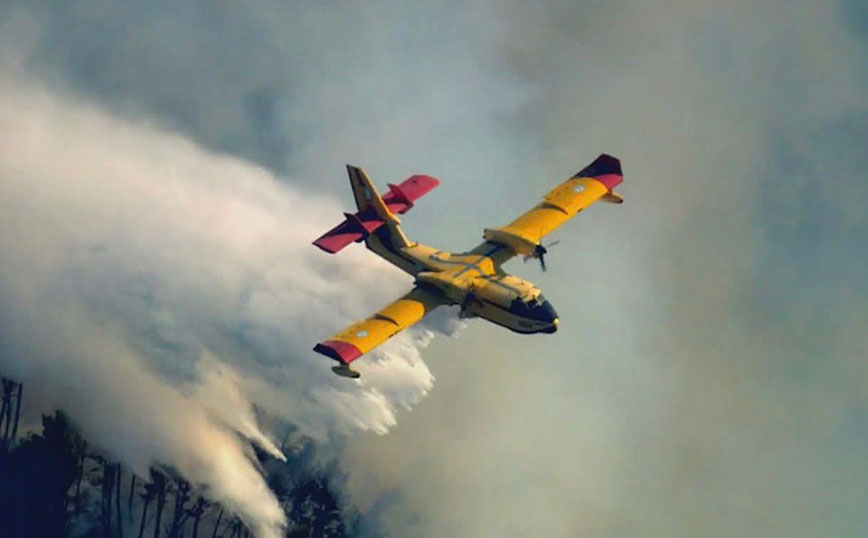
(524, 234)
(363, 336)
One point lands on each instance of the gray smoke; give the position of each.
(708, 377)
(158, 293)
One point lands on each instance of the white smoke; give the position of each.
(158, 293)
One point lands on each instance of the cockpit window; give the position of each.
(519, 307)
(537, 308)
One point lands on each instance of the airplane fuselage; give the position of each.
(477, 283)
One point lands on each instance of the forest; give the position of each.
(53, 484)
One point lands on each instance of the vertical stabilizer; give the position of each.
(368, 199)
(367, 196)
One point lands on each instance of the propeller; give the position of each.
(540, 252)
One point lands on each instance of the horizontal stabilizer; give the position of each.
(401, 197)
(356, 227)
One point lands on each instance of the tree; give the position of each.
(107, 488)
(179, 515)
(196, 511)
(148, 496)
(161, 485)
(35, 479)
(118, 501)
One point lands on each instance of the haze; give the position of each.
(709, 375)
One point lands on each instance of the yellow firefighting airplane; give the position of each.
(473, 279)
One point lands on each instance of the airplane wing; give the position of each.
(363, 336)
(524, 234)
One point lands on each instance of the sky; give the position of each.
(172, 161)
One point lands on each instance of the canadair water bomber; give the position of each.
(475, 279)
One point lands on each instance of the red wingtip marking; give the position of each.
(605, 169)
(610, 180)
(340, 351)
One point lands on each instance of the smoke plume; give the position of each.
(162, 294)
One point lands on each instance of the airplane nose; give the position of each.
(551, 328)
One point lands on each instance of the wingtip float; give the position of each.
(474, 279)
